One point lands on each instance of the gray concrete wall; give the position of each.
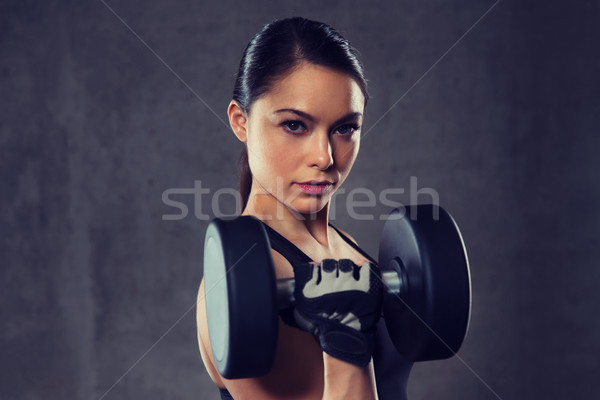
(96, 121)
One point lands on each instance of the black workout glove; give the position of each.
(340, 303)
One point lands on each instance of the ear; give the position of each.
(237, 120)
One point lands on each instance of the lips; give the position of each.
(315, 187)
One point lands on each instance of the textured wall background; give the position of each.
(102, 110)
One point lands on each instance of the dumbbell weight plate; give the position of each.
(239, 283)
(430, 317)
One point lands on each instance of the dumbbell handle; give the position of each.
(285, 288)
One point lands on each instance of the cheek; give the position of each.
(345, 154)
(270, 156)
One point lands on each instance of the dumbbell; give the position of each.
(424, 265)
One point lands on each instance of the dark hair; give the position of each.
(279, 47)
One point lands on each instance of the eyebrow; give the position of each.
(347, 117)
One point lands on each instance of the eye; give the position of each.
(347, 129)
(294, 126)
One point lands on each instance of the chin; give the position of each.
(312, 206)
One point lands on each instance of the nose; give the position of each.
(320, 151)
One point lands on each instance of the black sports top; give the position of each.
(391, 370)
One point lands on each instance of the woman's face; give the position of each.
(303, 137)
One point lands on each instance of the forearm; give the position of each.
(347, 381)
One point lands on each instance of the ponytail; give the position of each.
(245, 177)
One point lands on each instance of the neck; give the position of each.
(287, 221)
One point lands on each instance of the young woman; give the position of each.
(298, 106)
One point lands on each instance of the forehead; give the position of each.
(317, 90)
